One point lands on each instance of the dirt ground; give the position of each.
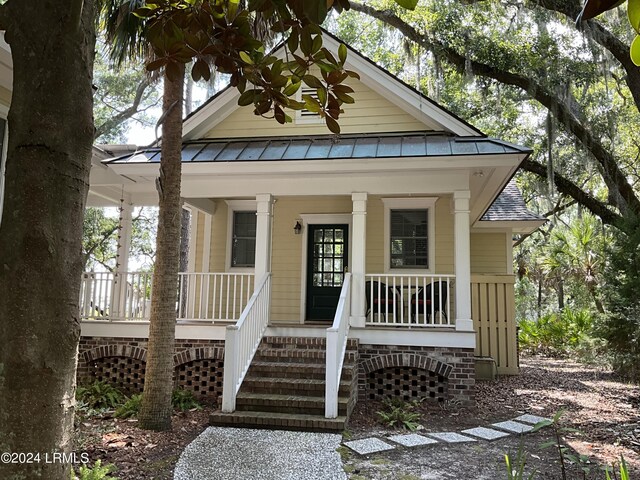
(605, 412)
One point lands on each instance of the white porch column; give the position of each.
(264, 212)
(122, 266)
(358, 259)
(462, 260)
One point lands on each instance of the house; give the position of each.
(322, 268)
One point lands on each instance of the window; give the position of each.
(409, 234)
(243, 246)
(409, 238)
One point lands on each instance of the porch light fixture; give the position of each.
(298, 228)
(478, 173)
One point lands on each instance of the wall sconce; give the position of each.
(298, 228)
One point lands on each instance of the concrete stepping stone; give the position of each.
(368, 445)
(412, 440)
(532, 419)
(452, 437)
(485, 433)
(514, 427)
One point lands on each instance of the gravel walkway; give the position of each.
(247, 454)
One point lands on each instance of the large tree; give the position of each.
(47, 173)
(540, 58)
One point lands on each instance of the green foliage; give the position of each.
(558, 334)
(99, 395)
(398, 413)
(620, 326)
(184, 400)
(181, 400)
(515, 467)
(97, 472)
(130, 408)
(624, 471)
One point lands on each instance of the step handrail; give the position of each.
(337, 336)
(242, 341)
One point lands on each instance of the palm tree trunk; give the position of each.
(47, 178)
(155, 412)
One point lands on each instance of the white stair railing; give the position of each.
(242, 341)
(337, 336)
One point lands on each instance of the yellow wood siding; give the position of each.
(219, 238)
(369, 114)
(287, 251)
(488, 253)
(493, 313)
(376, 232)
(199, 242)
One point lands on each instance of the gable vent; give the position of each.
(304, 115)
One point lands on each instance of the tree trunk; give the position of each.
(47, 174)
(560, 283)
(155, 413)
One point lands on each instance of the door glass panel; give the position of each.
(328, 257)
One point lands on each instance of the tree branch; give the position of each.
(624, 198)
(567, 187)
(127, 113)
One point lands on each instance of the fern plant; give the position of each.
(184, 400)
(97, 472)
(398, 413)
(130, 408)
(99, 395)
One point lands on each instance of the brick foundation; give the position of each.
(436, 373)
(411, 372)
(122, 361)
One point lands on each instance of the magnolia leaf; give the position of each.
(246, 58)
(633, 11)
(311, 104)
(342, 53)
(332, 125)
(635, 51)
(315, 10)
(408, 4)
(247, 97)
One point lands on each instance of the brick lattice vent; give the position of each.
(406, 383)
(125, 373)
(202, 377)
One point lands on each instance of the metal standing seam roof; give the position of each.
(509, 206)
(330, 147)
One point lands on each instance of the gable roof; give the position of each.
(329, 147)
(509, 206)
(416, 104)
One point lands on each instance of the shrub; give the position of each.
(97, 472)
(184, 400)
(398, 413)
(558, 334)
(130, 408)
(99, 395)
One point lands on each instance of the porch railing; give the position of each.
(409, 300)
(337, 336)
(207, 297)
(242, 341)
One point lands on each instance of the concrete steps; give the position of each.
(285, 387)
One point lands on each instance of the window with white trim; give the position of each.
(409, 234)
(243, 244)
(409, 238)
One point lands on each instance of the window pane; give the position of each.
(409, 243)
(243, 251)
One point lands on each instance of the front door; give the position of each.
(327, 260)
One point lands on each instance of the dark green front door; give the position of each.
(327, 263)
